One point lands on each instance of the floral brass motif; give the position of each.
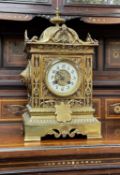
(63, 112)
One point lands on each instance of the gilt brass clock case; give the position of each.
(56, 112)
(63, 77)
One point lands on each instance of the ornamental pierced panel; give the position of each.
(36, 79)
(88, 79)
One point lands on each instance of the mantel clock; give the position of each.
(59, 82)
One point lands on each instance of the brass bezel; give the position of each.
(77, 84)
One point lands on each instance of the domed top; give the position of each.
(60, 34)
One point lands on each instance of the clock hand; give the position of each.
(68, 82)
(55, 82)
(61, 76)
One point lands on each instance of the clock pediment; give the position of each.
(60, 34)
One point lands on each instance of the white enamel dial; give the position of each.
(62, 78)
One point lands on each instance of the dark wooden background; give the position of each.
(103, 23)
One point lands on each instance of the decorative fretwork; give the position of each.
(88, 81)
(36, 80)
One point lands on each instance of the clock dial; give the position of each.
(62, 78)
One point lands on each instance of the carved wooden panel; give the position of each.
(13, 94)
(13, 52)
(16, 16)
(28, 1)
(108, 2)
(0, 109)
(112, 108)
(12, 108)
(97, 107)
(112, 129)
(100, 20)
(112, 54)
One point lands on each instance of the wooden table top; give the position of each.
(11, 136)
(78, 155)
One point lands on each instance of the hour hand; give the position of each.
(55, 82)
(58, 76)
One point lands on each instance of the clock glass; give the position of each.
(62, 78)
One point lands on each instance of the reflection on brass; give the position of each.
(59, 82)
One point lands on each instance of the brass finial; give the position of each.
(57, 20)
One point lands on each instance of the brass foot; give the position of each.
(32, 138)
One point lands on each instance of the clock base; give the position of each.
(37, 126)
